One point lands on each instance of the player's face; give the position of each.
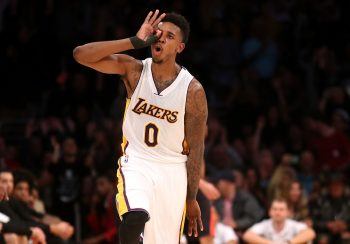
(169, 44)
(279, 211)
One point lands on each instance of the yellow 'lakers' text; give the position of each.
(142, 106)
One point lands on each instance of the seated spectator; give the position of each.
(280, 182)
(224, 234)
(237, 208)
(12, 231)
(330, 145)
(279, 229)
(298, 203)
(306, 173)
(101, 219)
(18, 210)
(253, 187)
(331, 213)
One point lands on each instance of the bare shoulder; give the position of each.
(133, 69)
(196, 98)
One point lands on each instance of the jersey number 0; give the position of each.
(151, 135)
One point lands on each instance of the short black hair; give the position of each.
(181, 22)
(23, 175)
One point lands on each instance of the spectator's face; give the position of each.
(251, 178)
(6, 179)
(70, 147)
(339, 122)
(336, 189)
(307, 161)
(21, 191)
(227, 189)
(103, 186)
(279, 211)
(295, 192)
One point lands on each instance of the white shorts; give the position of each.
(158, 189)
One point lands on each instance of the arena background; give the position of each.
(275, 72)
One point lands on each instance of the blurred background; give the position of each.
(276, 74)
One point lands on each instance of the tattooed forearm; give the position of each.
(195, 122)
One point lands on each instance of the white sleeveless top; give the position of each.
(154, 124)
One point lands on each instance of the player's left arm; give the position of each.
(195, 126)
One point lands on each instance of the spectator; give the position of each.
(279, 229)
(298, 203)
(67, 174)
(253, 187)
(331, 213)
(306, 173)
(237, 208)
(281, 181)
(19, 211)
(101, 218)
(331, 146)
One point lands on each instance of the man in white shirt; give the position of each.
(279, 229)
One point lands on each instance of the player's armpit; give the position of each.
(195, 126)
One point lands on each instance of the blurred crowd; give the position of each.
(277, 78)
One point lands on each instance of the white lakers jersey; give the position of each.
(154, 124)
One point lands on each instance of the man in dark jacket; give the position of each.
(237, 207)
(331, 213)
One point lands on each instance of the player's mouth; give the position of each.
(157, 49)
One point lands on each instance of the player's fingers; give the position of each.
(148, 17)
(190, 227)
(158, 20)
(195, 228)
(154, 17)
(200, 223)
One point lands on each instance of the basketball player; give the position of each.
(164, 127)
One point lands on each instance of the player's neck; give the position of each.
(164, 75)
(165, 71)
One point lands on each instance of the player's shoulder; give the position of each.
(195, 86)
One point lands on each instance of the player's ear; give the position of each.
(181, 47)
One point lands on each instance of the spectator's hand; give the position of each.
(341, 226)
(63, 230)
(38, 236)
(309, 222)
(332, 226)
(209, 190)
(150, 26)
(92, 240)
(193, 214)
(231, 223)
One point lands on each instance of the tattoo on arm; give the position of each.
(195, 123)
(132, 77)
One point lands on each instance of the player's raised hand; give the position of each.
(150, 26)
(193, 214)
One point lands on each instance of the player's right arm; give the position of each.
(105, 57)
